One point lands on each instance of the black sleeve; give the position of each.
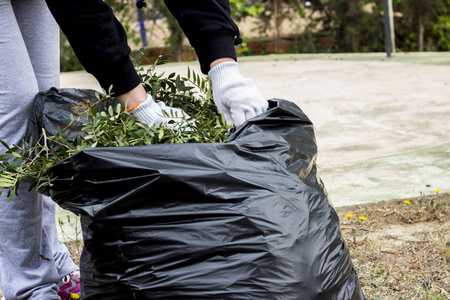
(208, 27)
(98, 40)
(100, 43)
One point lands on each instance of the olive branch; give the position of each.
(109, 125)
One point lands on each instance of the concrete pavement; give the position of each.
(382, 125)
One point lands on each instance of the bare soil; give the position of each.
(400, 249)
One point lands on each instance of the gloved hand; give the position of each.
(238, 98)
(156, 113)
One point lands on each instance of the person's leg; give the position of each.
(61, 255)
(41, 38)
(28, 270)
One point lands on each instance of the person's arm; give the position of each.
(211, 31)
(99, 41)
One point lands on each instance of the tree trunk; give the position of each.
(420, 35)
(176, 33)
(277, 15)
(178, 46)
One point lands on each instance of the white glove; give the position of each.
(156, 113)
(238, 98)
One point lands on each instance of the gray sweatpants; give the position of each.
(32, 259)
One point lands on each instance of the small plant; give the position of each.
(443, 248)
(407, 210)
(109, 125)
(73, 238)
(356, 225)
(425, 207)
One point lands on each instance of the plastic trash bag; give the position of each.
(51, 110)
(247, 219)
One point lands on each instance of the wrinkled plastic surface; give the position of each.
(52, 109)
(247, 219)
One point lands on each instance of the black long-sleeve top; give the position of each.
(100, 42)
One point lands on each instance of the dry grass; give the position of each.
(402, 250)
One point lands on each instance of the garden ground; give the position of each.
(402, 250)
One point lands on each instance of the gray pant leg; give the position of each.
(61, 256)
(46, 70)
(28, 268)
(40, 33)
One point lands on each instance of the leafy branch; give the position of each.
(109, 125)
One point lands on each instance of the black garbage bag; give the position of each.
(51, 110)
(247, 219)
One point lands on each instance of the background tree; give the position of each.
(420, 12)
(350, 25)
(331, 25)
(440, 28)
(176, 37)
(269, 14)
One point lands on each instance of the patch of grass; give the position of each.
(402, 251)
(444, 248)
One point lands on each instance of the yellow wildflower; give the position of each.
(74, 296)
(407, 202)
(437, 191)
(349, 216)
(362, 218)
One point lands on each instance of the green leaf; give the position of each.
(5, 145)
(14, 192)
(161, 134)
(110, 111)
(89, 137)
(14, 164)
(4, 185)
(5, 156)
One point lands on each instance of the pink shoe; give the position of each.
(69, 286)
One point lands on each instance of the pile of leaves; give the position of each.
(109, 125)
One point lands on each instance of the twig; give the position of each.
(45, 142)
(390, 213)
(364, 229)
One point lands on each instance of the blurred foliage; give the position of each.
(176, 37)
(434, 18)
(357, 26)
(332, 25)
(68, 60)
(346, 26)
(244, 8)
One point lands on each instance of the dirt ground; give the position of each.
(400, 248)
